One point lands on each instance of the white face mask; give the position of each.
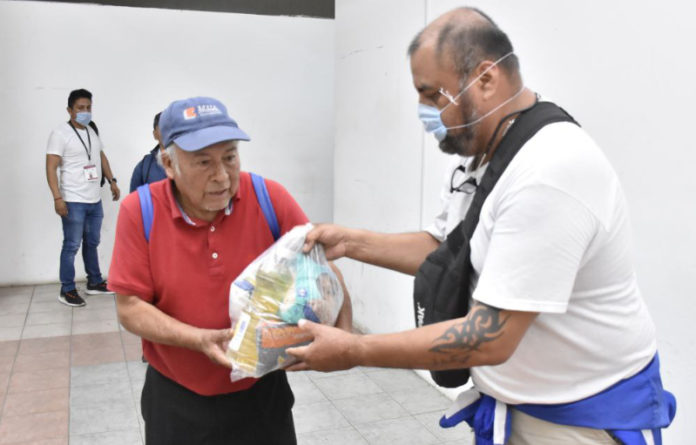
(83, 118)
(431, 116)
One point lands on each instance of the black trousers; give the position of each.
(259, 415)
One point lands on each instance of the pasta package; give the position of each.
(278, 289)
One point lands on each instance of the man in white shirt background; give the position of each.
(75, 163)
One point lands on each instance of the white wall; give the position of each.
(275, 74)
(624, 69)
(378, 154)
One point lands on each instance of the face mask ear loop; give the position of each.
(453, 100)
(469, 124)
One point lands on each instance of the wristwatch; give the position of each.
(113, 180)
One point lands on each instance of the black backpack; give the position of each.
(441, 289)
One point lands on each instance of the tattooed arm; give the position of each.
(486, 336)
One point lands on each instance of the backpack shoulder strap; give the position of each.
(260, 189)
(266, 205)
(526, 125)
(145, 167)
(94, 127)
(146, 208)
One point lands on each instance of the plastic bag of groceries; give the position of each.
(274, 292)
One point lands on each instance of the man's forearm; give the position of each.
(150, 323)
(106, 168)
(52, 176)
(486, 336)
(402, 252)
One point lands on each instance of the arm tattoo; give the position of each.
(483, 324)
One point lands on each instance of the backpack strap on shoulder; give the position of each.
(266, 205)
(94, 127)
(146, 208)
(145, 172)
(527, 124)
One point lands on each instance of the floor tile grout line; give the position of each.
(392, 397)
(352, 425)
(311, 380)
(26, 318)
(402, 406)
(134, 398)
(408, 415)
(355, 426)
(16, 354)
(70, 369)
(348, 420)
(95, 433)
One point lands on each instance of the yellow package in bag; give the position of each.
(279, 288)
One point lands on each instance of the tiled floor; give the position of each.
(73, 376)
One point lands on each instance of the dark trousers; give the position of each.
(259, 415)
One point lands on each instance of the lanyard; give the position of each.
(89, 152)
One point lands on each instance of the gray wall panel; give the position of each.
(308, 8)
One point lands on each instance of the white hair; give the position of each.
(171, 153)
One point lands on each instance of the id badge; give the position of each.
(91, 173)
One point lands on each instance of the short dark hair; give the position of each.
(78, 94)
(471, 44)
(155, 123)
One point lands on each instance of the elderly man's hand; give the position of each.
(333, 349)
(213, 343)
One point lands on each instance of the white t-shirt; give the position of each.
(75, 166)
(554, 238)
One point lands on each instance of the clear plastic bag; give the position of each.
(274, 292)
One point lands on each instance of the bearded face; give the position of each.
(460, 141)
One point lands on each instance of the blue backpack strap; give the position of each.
(146, 208)
(265, 203)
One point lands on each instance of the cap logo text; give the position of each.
(208, 110)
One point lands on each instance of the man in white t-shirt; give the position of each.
(556, 315)
(75, 149)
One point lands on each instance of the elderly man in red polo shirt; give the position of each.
(172, 289)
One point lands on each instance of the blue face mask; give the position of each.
(432, 116)
(83, 118)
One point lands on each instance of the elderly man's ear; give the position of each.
(168, 164)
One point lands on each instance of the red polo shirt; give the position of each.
(186, 270)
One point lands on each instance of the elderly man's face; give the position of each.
(437, 82)
(206, 179)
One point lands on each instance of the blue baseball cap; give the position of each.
(198, 122)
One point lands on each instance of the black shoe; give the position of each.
(71, 298)
(96, 289)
